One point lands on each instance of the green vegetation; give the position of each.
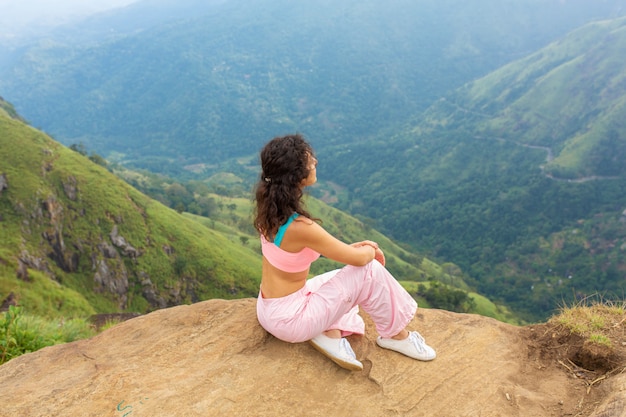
(475, 183)
(533, 102)
(513, 184)
(21, 333)
(8, 109)
(440, 296)
(597, 322)
(454, 299)
(76, 240)
(198, 91)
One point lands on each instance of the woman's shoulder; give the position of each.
(304, 226)
(301, 221)
(306, 230)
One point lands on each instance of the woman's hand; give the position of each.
(380, 256)
(378, 253)
(365, 243)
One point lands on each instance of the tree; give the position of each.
(444, 297)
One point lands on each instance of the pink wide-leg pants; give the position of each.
(331, 301)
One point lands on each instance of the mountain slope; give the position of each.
(569, 97)
(517, 177)
(213, 87)
(75, 239)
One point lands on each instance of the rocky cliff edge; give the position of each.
(213, 359)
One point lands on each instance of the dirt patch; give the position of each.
(551, 342)
(590, 360)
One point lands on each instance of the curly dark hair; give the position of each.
(278, 194)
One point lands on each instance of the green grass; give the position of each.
(594, 320)
(44, 297)
(486, 307)
(23, 333)
(600, 339)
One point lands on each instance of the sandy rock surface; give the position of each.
(213, 359)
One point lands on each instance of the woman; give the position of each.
(323, 309)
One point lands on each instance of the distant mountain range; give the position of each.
(197, 90)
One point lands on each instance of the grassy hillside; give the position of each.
(568, 97)
(76, 240)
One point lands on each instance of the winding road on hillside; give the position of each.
(550, 157)
(549, 152)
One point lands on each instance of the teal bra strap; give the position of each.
(281, 230)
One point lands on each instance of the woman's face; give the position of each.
(312, 178)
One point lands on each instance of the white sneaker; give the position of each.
(338, 351)
(413, 346)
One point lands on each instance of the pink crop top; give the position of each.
(283, 260)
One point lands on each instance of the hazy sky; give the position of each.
(17, 15)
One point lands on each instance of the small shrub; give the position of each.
(441, 296)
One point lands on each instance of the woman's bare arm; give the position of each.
(307, 233)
